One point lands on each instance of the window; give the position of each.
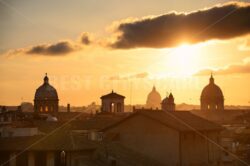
(112, 107)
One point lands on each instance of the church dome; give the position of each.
(212, 92)
(165, 100)
(154, 99)
(46, 91)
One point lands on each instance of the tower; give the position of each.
(112, 103)
(168, 104)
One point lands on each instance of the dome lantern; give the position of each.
(46, 79)
(211, 80)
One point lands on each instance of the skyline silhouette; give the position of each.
(124, 83)
(120, 52)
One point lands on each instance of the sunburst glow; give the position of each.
(184, 60)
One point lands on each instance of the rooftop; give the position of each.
(179, 120)
(58, 140)
(112, 95)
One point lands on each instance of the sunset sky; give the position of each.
(89, 47)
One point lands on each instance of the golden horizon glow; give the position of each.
(184, 60)
(82, 76)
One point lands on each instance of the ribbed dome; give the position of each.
(154, 98)
(46, 91)
(212, 92)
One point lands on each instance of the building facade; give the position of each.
(112, 103)
(163, 137)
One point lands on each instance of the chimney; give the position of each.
(68, 107)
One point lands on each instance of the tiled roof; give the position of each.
(179, 120)
(112, 95)
(124, 155)
(45, 126)
(63, 138)
(59, 140)
(97, 122)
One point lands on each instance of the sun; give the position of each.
(179, 62)
(184, 59)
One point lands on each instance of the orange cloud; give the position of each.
(133, 76)
(169, 30)
(60, 48)
(55, 49)
(243, 68)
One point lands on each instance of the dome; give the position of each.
(46, 91)
(154, 98)
(165, 100)
(212, 92)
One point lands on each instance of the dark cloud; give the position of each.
(133, 76)
(168, 30)
(60, 48)
(232, 69)
(85, 39)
